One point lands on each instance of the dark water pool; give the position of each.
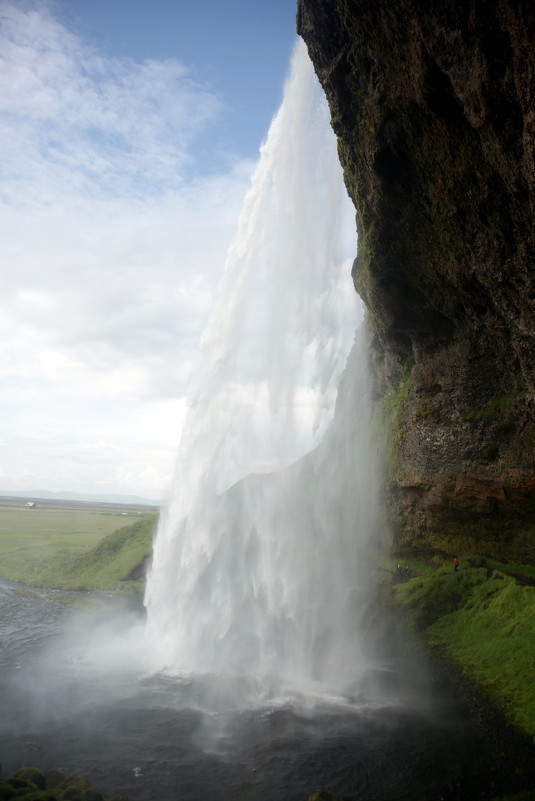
(186, 739)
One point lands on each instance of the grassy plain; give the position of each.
(74, 545)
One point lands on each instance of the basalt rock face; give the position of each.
(433, 104)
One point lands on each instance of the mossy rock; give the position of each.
(76, 788)
(21, 784)
(71, 793)
(54, 778)
(31, 775)
(7, 791)
(92, 794)
(31, 784)
(74, 780)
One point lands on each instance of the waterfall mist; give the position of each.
(256, 568)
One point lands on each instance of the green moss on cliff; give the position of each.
(502, 405)
(387, 425)
(509, 532)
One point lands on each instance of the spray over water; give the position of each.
(256, 568)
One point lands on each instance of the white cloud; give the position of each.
(89, 124)
(111, 246)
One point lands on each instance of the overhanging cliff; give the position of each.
(433, 105)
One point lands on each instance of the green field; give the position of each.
(66, 545)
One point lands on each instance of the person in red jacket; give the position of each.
(455, 563)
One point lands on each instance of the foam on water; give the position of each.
(256, 568)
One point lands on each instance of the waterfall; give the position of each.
(256, 569)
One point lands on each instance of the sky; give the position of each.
(129, 131)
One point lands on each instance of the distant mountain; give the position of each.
(80, 496)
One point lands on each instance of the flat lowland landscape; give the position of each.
(44, 543)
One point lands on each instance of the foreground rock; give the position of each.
(33, 785)
(433, 108)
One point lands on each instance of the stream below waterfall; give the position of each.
(66, 704)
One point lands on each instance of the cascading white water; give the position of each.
(255, 569)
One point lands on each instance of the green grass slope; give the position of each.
(27, 535)
(484, 620)
(113, 564)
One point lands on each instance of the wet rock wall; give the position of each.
(433, 105)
